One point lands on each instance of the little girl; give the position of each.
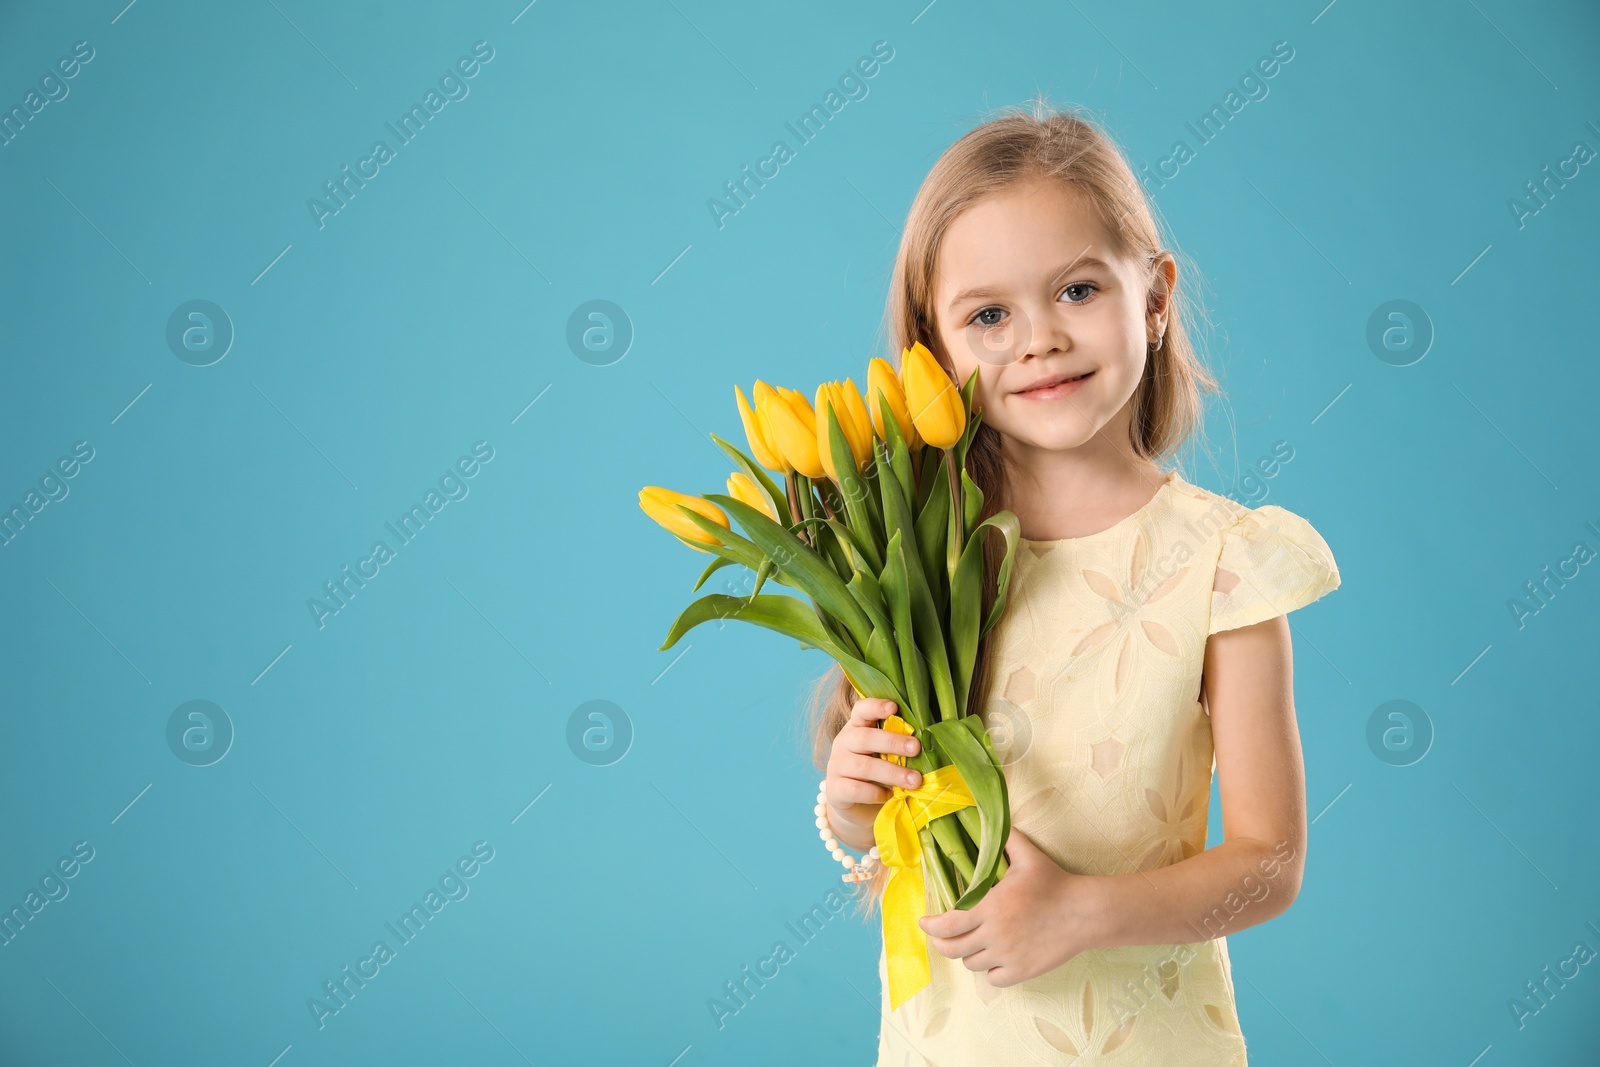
(1144, 646)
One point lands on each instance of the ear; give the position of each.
(1163, 279)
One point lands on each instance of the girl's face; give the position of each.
(1029, 289)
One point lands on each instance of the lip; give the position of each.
(1058, 388)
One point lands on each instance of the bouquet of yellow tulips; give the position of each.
(876, 522)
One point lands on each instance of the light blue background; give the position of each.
(433, 309)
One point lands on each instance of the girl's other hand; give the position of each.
(858, 778)
(1035, 919)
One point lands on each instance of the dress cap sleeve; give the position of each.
(1272, 562)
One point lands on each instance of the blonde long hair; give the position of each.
(1023, 142)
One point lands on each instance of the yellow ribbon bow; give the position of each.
(895, 831)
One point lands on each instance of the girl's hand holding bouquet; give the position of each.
(858, 781)
(880, 526)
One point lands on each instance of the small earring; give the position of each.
(1156, 344)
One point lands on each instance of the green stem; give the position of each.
(808, 500)
(973, 824)
(953, 541)
(933, 872)
(794, 505)
(953, 844)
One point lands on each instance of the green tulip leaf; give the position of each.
(711, 568)
(930, 476)
(779, 497)
(762, 575)
(847, 539)
(883, 656)
(869, 595)
(1010, 528)
(913, 666)
(732, 546)
(924, 609)
(852, 489)
(788, 615)
(835, 552)
(972, 501)
(981, 771)
(933, 531)
(869, 487)
(792, 617)
(802, 565)
(966, 601)
(894, 445)
(929, 632)
(970, 427)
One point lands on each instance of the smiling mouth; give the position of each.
(1054, 386)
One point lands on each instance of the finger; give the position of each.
(979, 961)
(1020, 849)
(1001, 977)
(871, 740)
(870, 711)
(958, 947)
(844, 790)
(873, 769)
(949, 924)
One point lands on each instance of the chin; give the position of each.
(1052, 438)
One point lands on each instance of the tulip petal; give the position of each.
(884, 383)
(755, 433)
(766, 399)
(936, 408)
(794, 431)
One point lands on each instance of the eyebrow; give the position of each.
(1080, 263)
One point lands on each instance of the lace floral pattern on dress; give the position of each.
(1094, 707)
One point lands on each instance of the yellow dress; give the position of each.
(1094, 707)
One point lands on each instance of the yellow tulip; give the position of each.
(883, 381)
(761, 446)
(765, 396)
(835, 396)
(797, 400)
(659, 504)
(743, 488)
(861, 440)
(936, 408)
(826, 400)
(793, 429)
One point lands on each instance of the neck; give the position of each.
(1059, 493)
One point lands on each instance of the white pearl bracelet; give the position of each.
(854, 871)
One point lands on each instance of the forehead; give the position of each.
(1009, 236)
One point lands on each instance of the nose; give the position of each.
(1043, 332)
(1028, 332)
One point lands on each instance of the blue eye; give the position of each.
(990, 317)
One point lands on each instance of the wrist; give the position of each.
(857, 835)
(1091, 913)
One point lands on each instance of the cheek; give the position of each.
(1131, 368)
(961, 357)
(950, 337)
(988, 396)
